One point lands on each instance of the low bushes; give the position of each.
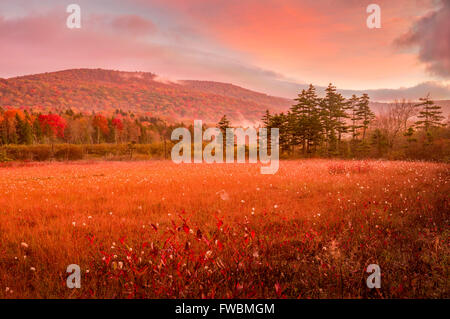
(69, 152)
(28, 152)
(77, 152)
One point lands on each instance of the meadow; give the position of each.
(154, 229)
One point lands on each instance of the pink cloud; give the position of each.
(40, 43)
(228, 41)
(318, 41)
(431, 34)
(133, 24)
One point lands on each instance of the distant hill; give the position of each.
(98, 90)
(377, 107)
(234, 91)
(94, 90)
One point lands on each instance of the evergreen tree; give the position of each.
(3, 133)
(266, 119)
(380, 142)
(409, 136)
(430, 116)
(353, 105)
(223, 124)
(295, 126)
(332, 111)
(111, 137)
(341, 117)
(280, 121)
(365, 113)
(24, 131)
(306, 127)
(37, 131)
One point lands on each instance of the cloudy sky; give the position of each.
(273, 46)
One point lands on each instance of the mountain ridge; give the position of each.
(99, 90)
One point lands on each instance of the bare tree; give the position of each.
(405, 110)
(394, 119)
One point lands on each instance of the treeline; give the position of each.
(22, 126)
(334, 126)
(33, 136)
(329, 126)
(65, 152)
(84, 90)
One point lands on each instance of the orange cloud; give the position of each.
(273, 46)
(320, 41)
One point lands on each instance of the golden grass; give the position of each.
(308, 231)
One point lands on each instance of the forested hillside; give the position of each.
(88, 90)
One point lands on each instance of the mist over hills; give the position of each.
(98, 90)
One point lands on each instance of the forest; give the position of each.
(97, 90)
(334, 126)
(331, 126)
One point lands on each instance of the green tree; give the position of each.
(333, 116)
(430, 116)
(305, 124)
(341, 117)
(355, 118)
(409, 135)
(365, 113)
(266, 118)
(37, 131)
(24, 130)
(380, 142)
(223, 124)
(280, 121)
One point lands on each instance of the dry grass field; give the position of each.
(160, 230)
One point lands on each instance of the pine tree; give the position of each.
(341, 117)
(266, 119)
(37, 131)
(354, 117)
(3, 132)
(430, 115)
(18, 128)
(306, 127)
(297, 123)
(379, 142)
(24, 131)
(111, 137)
(409, 135)
(280, 121)
(365, 113)
(223, 124)
(333, 117)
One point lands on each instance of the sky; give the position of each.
(272, 46)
